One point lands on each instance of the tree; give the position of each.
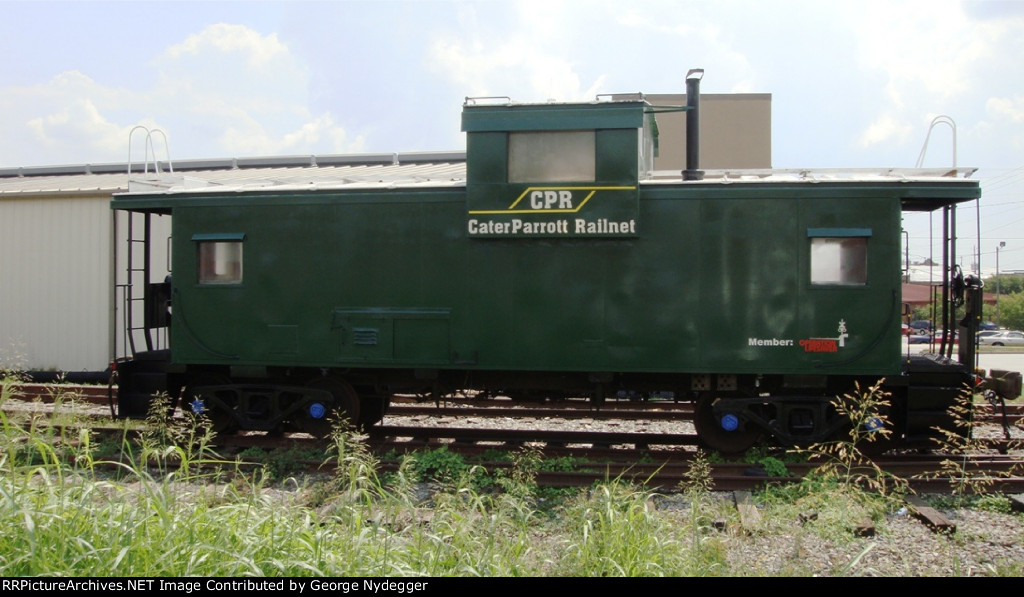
(1011, 311)
(1004, 284)
(922, 313)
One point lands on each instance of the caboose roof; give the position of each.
(921, 189)
(927, 189)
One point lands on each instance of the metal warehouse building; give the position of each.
(60, 304)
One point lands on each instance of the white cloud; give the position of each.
(690, 31)
(251, 138)
(225, 90)
(1006, 117)
(257, 51)
(574, 51)
(77, 118)
(932, 57)
(484, 70)
(252, 89)
(885, 129)
(56, 120)
(1007, 108)
(929, 46)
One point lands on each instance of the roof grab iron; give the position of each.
(936, 121)
(149, 150)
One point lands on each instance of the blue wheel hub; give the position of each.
(317, 410)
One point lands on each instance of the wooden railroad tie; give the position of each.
(930, 516)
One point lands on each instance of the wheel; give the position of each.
(728, 434)
(881, 442)
(318, 418)
(200, 397)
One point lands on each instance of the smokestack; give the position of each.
(693, 171)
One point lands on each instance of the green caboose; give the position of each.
(554, 263)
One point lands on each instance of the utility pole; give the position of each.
(999, 246)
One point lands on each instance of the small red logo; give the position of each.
(820, 345)
(827, 344)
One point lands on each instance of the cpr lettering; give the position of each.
(551, 199)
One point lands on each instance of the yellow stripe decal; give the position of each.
(512, 208)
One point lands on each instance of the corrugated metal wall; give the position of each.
(55, 283)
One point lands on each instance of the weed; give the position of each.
(615, 533)
(706, 553)
(845, 459)
(559, 463)
(440, 464)
(521, 480)
(997, 503)
(355, 467)
(254, 453)
(177, 447)
(773, 465)
(957, 442)
(494, 455)
(698, 477)
(280, 464)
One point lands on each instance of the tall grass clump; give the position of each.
(706, 555)
(957, 442)
(614, 530)
(459, 529)
(845, 493)
(847, 460)
(172, 507)
(180, 447)
(35, 438)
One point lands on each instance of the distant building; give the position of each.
(735, 131)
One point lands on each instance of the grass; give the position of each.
(169, 505)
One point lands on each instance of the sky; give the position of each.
(854, 84)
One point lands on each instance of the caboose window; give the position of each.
(839, 260)
(551, 156)
(219, 258)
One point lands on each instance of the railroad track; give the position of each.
(656, 459)
(591, 458)
(471, 407)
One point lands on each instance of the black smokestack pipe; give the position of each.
(693, 171)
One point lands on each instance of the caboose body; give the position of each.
(557, 263)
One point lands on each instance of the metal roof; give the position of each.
(333, 170)
(813, 175)
(372, 170)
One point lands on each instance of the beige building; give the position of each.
(55, 272)
(735, 131)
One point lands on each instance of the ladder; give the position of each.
(144, 303)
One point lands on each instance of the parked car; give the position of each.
(1003, 338)
(917, 338)
(988, 326)
(922, 325)
(987, 333)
